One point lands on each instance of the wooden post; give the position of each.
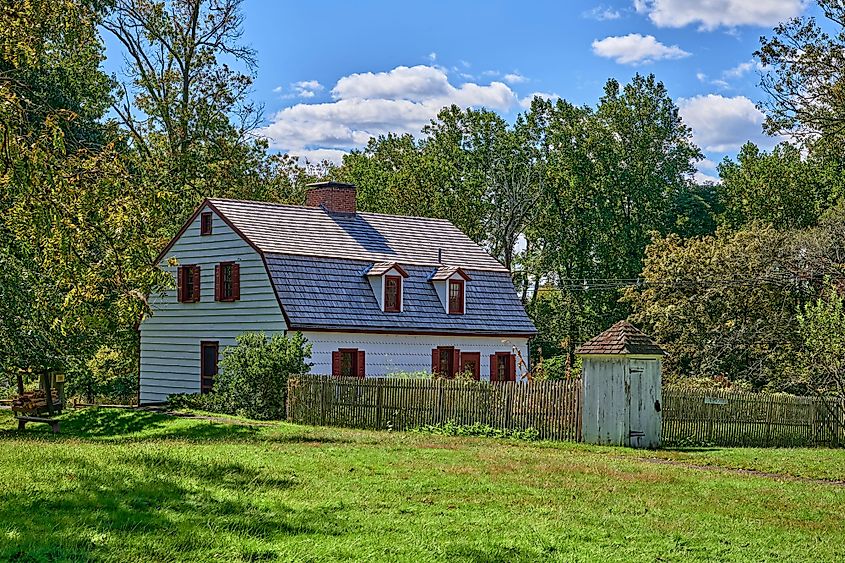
(323, 400)
(769, 420)
(379, 402)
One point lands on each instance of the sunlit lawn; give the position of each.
(136, 486)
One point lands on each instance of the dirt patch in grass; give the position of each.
(740, 471)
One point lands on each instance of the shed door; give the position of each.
(643, 414)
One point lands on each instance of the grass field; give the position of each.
(137, 486)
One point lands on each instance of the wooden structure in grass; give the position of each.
(621, 375)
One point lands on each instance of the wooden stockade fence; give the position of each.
(730, 418)
(552, 408)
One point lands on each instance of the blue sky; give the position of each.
(331, 74)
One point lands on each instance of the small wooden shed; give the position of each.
(621, 376)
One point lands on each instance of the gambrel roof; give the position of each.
(311, 231)
(319, 263)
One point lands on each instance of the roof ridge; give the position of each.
(317, 208)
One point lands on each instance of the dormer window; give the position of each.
(450, 284)
(456, 297)
(392, 294)
(386, 279)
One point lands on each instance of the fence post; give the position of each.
(769, 419)
(379, 402)
(323, 390)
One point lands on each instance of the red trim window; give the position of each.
(392, 294)
(209, 355)
(206, 223)
(445, 361)
(188, 283)
(227, 281)
(349, 362)
(502, 367)
(456, 297)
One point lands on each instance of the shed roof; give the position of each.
(621, 338)
(313, 231)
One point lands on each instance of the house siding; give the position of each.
(393, 353)
(171, 335)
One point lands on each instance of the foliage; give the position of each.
(557, 368)
(112, 374)
(779, 188)
(194, 401)
(822, 328)
(722, 305)
(452, 428)
(803, 75)
(410, 375)
(704, 383)
(253, 375)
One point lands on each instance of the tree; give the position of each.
(822, 328)
(804, 76)
(780, 188)
(723, 305)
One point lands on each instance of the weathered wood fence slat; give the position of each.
(549, 407)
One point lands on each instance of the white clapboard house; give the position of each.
(374, 294)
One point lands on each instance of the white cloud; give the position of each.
(702, 178)
(712, 14)
(514, 78)
(402, 100)
(635, 48)
(525, 102)
(307, 88)
(602, 13)
(278, 89)
(721, 124)
(432, 56)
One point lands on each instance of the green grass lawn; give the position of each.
(135, 486)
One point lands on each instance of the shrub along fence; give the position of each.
(730, 418)
(552, 408)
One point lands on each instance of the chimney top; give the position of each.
(334, 197)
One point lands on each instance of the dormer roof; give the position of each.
(446, 272)
(381, 268)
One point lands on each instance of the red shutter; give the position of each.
(456, 362)
(218, 283)
(493, 372)
(362, 363)
(513, 367)
(197, 279)
(336, 363)
(435, 361)
(180, 278)
(236, 282)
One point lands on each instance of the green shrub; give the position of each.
(200, 402)
(452, 428)
(254, 374)
(557, 368)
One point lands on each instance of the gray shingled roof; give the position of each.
(311, 231)
(333, 293)
(621, 338)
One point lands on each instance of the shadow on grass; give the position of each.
(153, 506)
(116, 425)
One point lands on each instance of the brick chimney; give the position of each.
(335, 197)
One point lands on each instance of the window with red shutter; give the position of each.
(348, 362)
(502, 367)
(445, 361)
(361, 364)
(227, 281)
